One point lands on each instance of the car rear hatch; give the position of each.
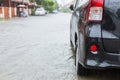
(111, 26)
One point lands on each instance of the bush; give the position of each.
(33, 12)
(49, 5)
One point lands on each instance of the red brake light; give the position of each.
(96, 3)
(93, 48)
(95, 10)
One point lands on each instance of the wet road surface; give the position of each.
(37, 48)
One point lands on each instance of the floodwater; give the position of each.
(38, 48)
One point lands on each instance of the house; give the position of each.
(11, 8)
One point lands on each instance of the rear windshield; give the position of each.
(113, 6)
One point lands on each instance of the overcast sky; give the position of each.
(62, 2)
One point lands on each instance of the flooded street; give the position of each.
(38, 48)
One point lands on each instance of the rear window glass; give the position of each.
(113, 6)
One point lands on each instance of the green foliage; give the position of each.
(33, 12)
(49, 5)
(37, 1)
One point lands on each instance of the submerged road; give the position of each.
(38, 48)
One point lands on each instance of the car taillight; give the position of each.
(95, 10)
(93, 48)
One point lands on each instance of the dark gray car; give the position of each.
(95, 34)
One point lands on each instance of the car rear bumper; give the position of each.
(94, 64)
(101, 59)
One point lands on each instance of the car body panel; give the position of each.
(111, 26)
(90, 32)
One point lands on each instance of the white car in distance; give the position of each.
(40, 12)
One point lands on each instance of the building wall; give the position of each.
(12, 12)
(1, 12)
(9, 10)
(15, 11)
(6, 12)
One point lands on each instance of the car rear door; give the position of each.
(111, 26)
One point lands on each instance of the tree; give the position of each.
(49, 5)
(37, 1)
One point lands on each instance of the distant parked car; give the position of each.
(55, 11)
(40, 12)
